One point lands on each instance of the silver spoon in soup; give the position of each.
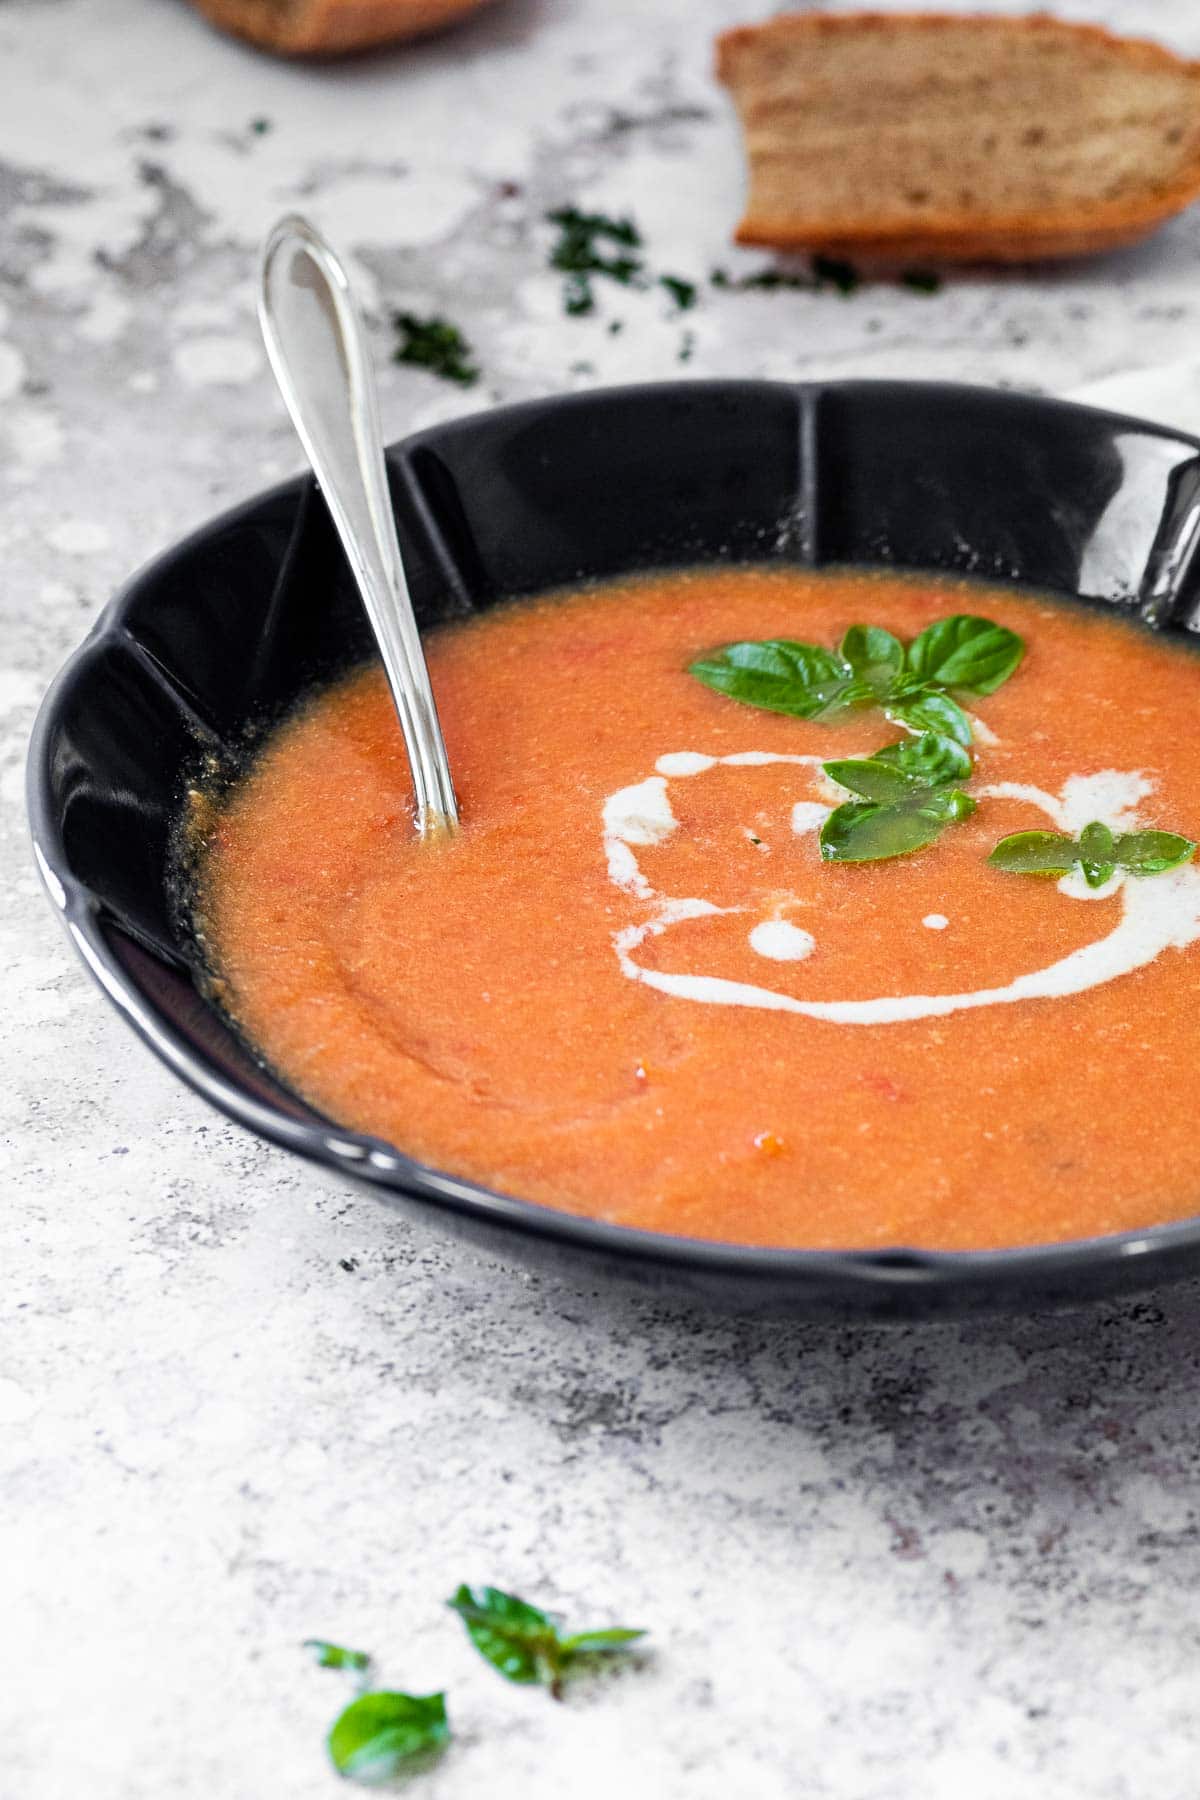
(317, 347)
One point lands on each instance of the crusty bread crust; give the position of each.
(967, 235)
(332, 27)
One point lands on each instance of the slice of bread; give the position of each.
(928, 136)
(331, 27)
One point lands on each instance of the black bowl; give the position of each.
(237, 620)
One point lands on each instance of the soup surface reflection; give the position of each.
(631, 986)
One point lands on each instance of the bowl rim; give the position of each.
(389, 1169)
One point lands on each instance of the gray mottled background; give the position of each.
(238, 1407)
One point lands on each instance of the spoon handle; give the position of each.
(317, 348)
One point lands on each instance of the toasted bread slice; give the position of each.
(331, 27)
(928, 136)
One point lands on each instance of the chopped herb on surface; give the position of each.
(921, 281)
(831, 271)
(380, 1736)
(687, 345)
(526, 1644)
(260, 127)
(585, 248)
(437, 345)
(1099, 852)
(682, 292)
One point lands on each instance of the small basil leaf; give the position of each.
(930, 760)
(861, 831)
(873, 778)
(927, 711)
(1096, 854)
(965, 652)
(378, 1735)
(802, 680)
(1151, 852)
(1035, 853)
(333, 1656)
(517, 1639)
(946, 806)
(596, 1643)
(875, 656)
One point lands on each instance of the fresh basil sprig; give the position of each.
(1097, 851)
(380, 1736)
(909, 796)
(871, 667)
(526, 1644)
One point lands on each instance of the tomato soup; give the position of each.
(633, 986)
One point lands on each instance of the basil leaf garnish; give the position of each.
(1034, 853)
(334, 1656)
(873, 778)
(1095, 854)
(378, 1735)
(964, 652)
(524, 1643)
(871, 667)
(780, 676)
(898, 770)
(925, 710)
(868, 832)
(875, 656)
(1098, 853)
(1151, 852)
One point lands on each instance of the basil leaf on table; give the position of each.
(865, 831)
(524, 1643)
(379, 1735)
(334, 1656)
(964, 652)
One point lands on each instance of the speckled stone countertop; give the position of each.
(238, 1407)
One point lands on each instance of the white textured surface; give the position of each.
(236, 1407)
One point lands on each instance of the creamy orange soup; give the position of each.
(631, 987)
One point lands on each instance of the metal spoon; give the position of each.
(315, 341)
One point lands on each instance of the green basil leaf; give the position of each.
(873, 778)
(1035, 853)
(930, 760)
(598, 1643)
(965, 652)
(875, 656)
(802, 680)
(333, 1656)
(1151, 852)
(378, 1735)
(861, 831)
(923, 710)
(947, 806)
(517, 1639)
(1096, 854)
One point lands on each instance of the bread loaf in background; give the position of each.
(332, 27)
(942, 138)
